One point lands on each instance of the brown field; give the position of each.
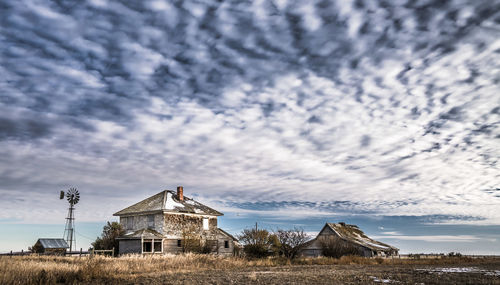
(208, 269)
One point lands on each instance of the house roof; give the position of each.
(53, 243)
(223, 232)
(143, 233)
(167, 202)
(354, 234)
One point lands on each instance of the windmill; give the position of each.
(73, 197)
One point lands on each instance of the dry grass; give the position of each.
(192, 268)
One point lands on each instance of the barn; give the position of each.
(348, 239)
(56, 246)
(169, 222)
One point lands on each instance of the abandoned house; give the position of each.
(347, 238)
(56, 246)
(170, 222)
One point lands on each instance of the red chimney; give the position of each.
(180, 193)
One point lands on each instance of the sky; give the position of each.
(383, 114)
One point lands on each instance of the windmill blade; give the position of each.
(61, 195)
(73, 196)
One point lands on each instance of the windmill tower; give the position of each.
(73, 197)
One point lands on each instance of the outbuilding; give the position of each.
(344, 239)
(56, 246)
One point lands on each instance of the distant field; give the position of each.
(206, 269)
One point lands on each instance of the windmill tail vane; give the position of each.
(72, 196)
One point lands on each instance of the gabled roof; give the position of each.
(53, 243)
(167, 202)
(143, 233)
(354, 234)
(223, 232)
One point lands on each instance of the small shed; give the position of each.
(56, 246)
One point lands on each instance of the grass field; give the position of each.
(208, 269)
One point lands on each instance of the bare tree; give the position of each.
(291, 241)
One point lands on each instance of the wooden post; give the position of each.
(80, 252)
(22, 252)
(11, 253)
(113, 252)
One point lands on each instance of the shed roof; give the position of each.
(354, 234)
(223, 232)
(53, 243)
(167, 201)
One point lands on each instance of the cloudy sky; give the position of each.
(381, 113)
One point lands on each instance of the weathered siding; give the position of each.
(171, 246)
(141, 222)
(130, 246)
(221, 249)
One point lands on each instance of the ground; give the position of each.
(204, 269)
(331, 274)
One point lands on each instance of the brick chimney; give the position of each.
(180, 193)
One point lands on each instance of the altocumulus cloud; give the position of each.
(380, 108)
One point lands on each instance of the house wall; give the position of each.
(129, 246)
(176, 224)
(141, 222)
(221, 249)
(171, 246)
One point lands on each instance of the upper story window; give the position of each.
(130, 223)
(205, 224)
(151, 221)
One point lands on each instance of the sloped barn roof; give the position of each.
(53, 243)
(167, 201)
(354, 234)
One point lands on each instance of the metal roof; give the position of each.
(167, 201)
(53, 243)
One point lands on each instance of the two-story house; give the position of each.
(163, 222)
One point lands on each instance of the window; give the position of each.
(226, 244)
(157, 246)
(130, 223)
(123, 221)
(151, 221)
(179, 243)
(146, 246)
(205, 224)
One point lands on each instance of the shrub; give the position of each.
(258, 243)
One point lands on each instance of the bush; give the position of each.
(258, 243)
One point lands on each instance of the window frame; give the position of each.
(206, 224)
(151, 221)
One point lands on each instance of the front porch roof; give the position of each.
(142, 234)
